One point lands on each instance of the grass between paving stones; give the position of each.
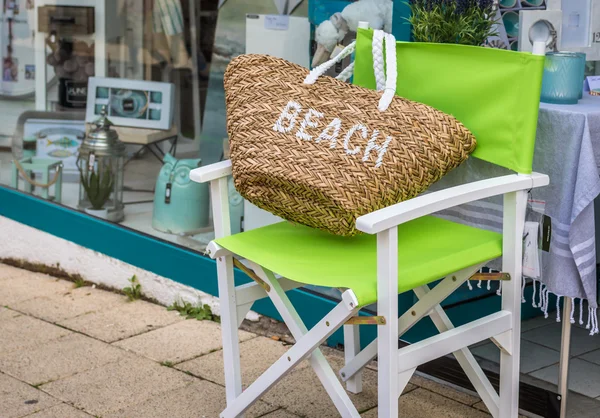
(199, 312)
(265, 326)
(54, 271)
(134, 291)
(77, 279)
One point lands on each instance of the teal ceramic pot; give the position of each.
(507, 4)
(511, 24)
(180, 205)
(561, 83)
(532, 3)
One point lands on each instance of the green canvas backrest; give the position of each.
(495, 93)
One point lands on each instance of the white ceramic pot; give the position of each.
(98, 213)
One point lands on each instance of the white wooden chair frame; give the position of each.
(395, 366)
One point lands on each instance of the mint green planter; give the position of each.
(180, 205)
(45, 165)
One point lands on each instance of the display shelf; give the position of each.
(511, 38)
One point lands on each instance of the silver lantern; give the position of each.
(100, 163)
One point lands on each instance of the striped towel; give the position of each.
(167, 17)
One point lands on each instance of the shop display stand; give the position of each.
(513, 40)
(99, 37)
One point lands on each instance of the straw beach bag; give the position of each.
(321, 152)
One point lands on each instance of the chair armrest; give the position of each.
(382, 219)
(211, 172)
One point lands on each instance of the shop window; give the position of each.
(156, 69)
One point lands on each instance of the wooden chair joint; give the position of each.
(366, 320)
(252, 275)
(491, 276)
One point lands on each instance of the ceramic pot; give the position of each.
(511, 23)
(532, 3)
(180, 205)
(562, 81)
(507, 4)
(98, 213)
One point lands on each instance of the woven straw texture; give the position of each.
(293, 162)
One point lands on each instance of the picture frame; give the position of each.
(57, 139)
(132, 103)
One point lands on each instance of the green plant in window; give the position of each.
(134, 291)
(465, 22)
(98, 186)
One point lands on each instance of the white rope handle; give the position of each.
(346, 73)
(391, 70)
(388, 85)
(378, 60)
(323, 68)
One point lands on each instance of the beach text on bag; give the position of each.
(312, 119)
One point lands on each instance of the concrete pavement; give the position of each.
(71, 353)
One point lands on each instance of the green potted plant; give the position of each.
(98, 187)
(465, 22)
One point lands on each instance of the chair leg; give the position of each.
(411, 317)
(387, 335)
(242, 311)
(469, 364)
(319, 363)
(351, 349)
(404, 379)
(305, 346)
(513, 226)
(229, 329)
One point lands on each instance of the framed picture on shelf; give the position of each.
(57, 139)
(133, 103)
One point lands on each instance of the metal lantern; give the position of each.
(100, 163)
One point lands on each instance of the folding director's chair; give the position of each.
(402, 249)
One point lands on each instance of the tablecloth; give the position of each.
(568, 150)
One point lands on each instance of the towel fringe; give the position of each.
(572, 318)
(542, 293)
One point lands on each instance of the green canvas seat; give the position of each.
(429, 248)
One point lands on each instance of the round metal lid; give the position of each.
(102, 140)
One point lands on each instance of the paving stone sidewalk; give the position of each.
(85, 352)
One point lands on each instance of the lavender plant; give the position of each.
(466, 22)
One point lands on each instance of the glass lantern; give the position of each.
(100, 163)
